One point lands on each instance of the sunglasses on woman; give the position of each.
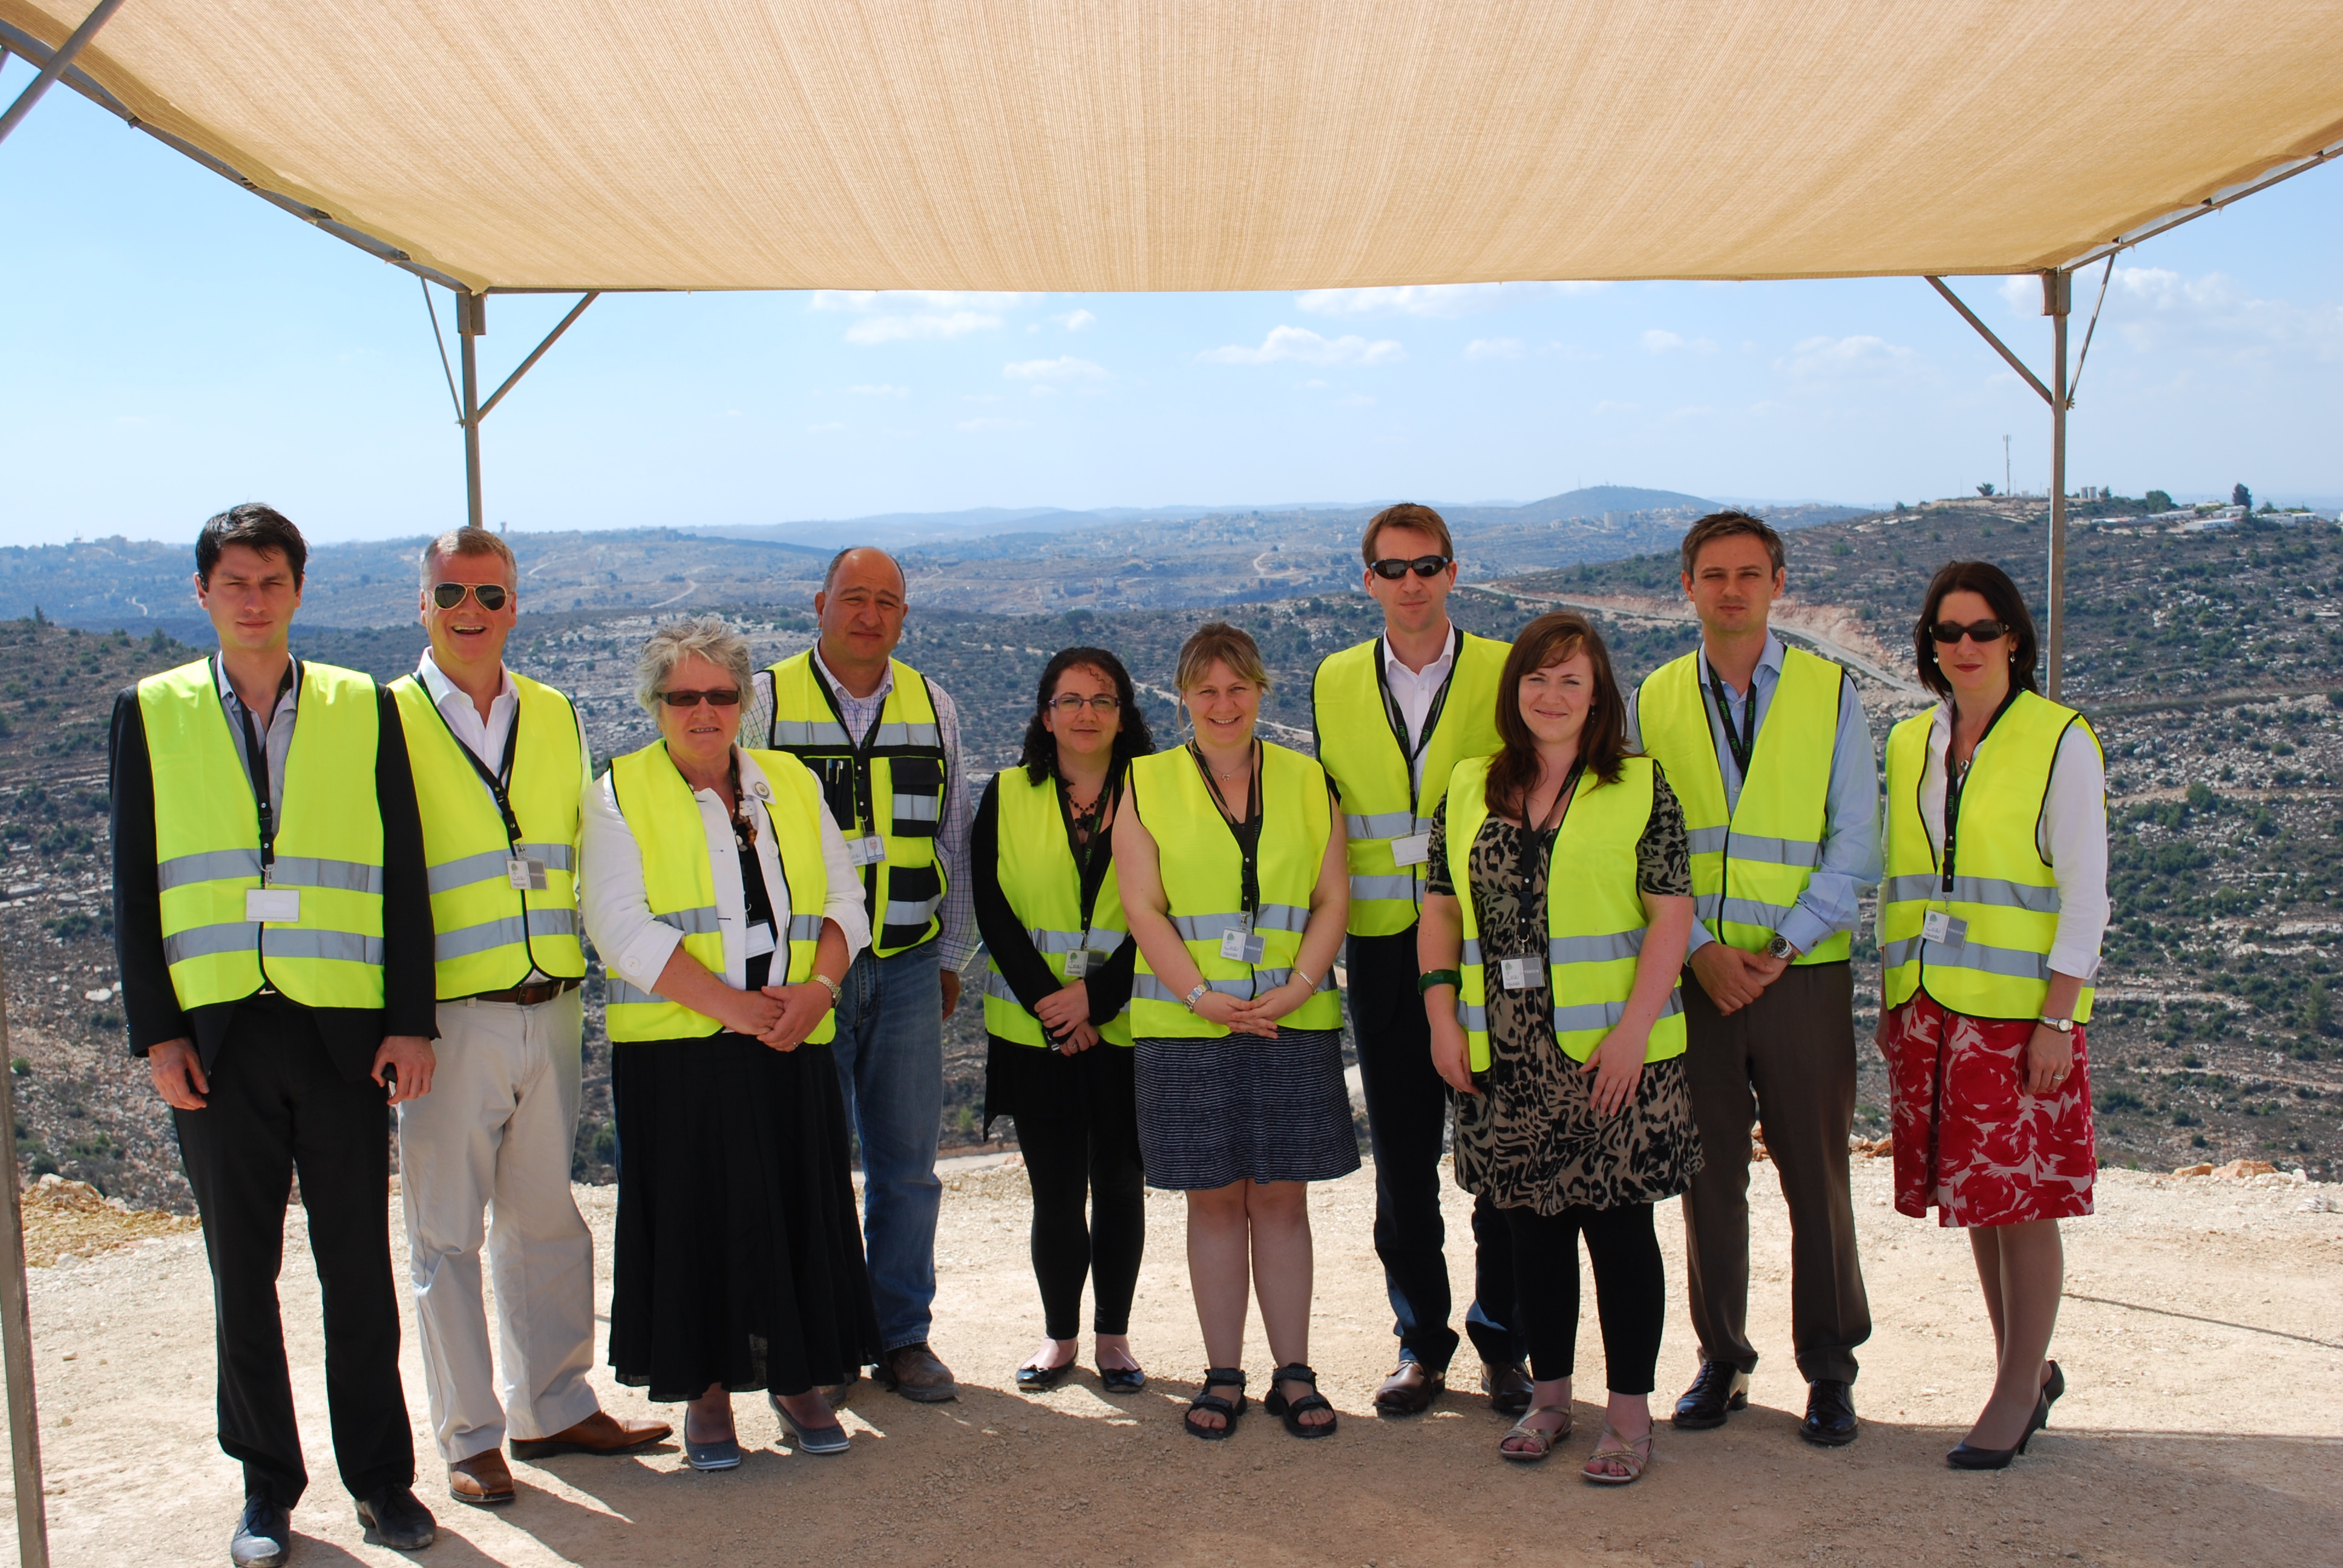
(1390, 569)
(727, 698)
(1950, 632)
(492, 596)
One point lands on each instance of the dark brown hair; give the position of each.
(1551, 639)
(1039, 760)
(1406, 515)
(260, 528)
(1725, 526)
(1990, 583)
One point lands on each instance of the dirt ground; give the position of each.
(2203, 1343)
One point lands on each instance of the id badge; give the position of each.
(526, 873)
(1936, 926)
(1521, 974)
(275, 906)
(1078, 963)
(1244, 946)
(1413, 851)
(760, 939)
(866, 851)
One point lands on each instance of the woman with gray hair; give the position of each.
(719, 894)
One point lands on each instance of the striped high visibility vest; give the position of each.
(1999, 897)
(1044, 886)
(327, 845)
(1593, 912)
(680, 881)
(1359, 746)
(489, 934)
(1750, 863)
(1203, 878)
(894, 791)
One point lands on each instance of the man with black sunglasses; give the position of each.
(1394, 715)
(499, 765)
(1767, 748)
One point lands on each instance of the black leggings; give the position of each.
(1630, 1289)
(1079, 1129)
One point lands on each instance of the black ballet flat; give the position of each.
(1965, 1457)
(1041, 1380)
(1121, 1379)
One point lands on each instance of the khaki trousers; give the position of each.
(1786, 1059)
(484, 1161)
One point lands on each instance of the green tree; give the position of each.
(2241, 497)
(2159, 501)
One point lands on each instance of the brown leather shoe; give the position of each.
(1508, 1386)
(913, 1372)
(482, 1481)
(601, 1432)
(1410, 1390)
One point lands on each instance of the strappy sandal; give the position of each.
(1613, 1448)
(1541, 1437)
(1291, 1411)
(1206, 1399)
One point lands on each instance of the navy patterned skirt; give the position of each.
(1244, 1109)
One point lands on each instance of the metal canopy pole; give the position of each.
(56, 66)
(16, 1333)
(472, 321)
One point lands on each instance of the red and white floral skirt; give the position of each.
(1969, 1140)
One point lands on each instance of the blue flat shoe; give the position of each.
(830, 1439)
(724, 1454)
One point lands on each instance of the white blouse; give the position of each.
(2072, 836)
(618, 910)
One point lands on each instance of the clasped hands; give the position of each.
(1065, 1016)
(779, 1015)
(1732, 978)
(1258, 1016)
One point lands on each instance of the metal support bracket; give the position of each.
(471, 324)
(59, 61)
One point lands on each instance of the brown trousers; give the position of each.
(1786, 1059)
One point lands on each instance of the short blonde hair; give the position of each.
(470, 542)
(704, 636)
(1217, 642)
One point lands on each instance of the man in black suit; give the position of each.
(273, 931)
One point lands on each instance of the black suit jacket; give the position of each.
(352, 1035)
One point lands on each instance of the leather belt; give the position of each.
(528, 995)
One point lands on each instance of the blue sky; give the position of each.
(175, 345)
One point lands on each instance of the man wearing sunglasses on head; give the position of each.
(1394, 715)
(499, 764)
(1767, 748)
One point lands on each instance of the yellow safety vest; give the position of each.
(327, 845)
(1359, 746)
(1043, 887)
(1996, 964)
(489, 933)
(1750, 864)
(1594, 911)
(679, 881)
(1203, 876)
(899, 785)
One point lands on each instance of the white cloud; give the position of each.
(901, 315)
(1301, 343)
(1493, 348)
(1860, 357)
(881, 390)
(1444, 300)
(898, 329)
(1076, 320)
(1065, 368)
(1660, 341)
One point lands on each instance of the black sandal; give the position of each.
(1291, 1411)
(1205, 1400)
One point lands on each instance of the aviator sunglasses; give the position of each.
(1391, 568)
(728, 698)
(492, 596)
(1980, 631)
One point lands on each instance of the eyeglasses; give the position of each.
(1950, 632)
(1390, 569)
(728, 698)
(1103, 704)
(492, 596)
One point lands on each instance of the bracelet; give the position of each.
(2063, 1025)
(835, 989)
(1297, 973)
(1195, 996)
(1438, 976)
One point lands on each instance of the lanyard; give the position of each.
(1546, 832)
(1409, 751)
(864, 811)
(1745, 743)
(1956, 780)
(1091, 857)
(500, 783)
(255, 762)
(1246, 833)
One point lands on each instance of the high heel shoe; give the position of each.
(1965, 1456)
(2051, 1389)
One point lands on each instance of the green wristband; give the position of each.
(1438, 976)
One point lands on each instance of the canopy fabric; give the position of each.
(1178, 144)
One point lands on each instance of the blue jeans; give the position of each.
(891, 1066)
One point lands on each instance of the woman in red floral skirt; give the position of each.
(1989, 925)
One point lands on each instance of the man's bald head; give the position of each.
(860, 608)
(861, 558)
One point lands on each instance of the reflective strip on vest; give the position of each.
(1034, 868)
(503, 932)
(210, 866)
(492, 866)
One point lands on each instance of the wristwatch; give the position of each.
(1780, 947)
(1438, 976)
(2063, 1025)
(834, 987)
(1193, 997)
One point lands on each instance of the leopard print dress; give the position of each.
(1531, 1139)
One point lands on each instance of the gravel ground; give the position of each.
(2202, 1344)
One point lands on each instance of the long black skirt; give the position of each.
(740, 1256)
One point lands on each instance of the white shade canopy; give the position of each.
(1177, 145)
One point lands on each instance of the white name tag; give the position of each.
(1413, 851)
(1242, 946)
(760, 939)
(1936, 926)
(526, 873)
(1521, 974)
(279, 906)
(866, 851)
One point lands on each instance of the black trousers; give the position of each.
(278, 1105)
(1407, 1123)
(1078, 1124)
(1630, 1290)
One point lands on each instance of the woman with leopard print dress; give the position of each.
(1556, 909)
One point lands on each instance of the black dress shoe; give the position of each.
(2053, 1386)
(1041, 1380)
(264, 1536)
(394, 1518)
(1508, 1386)
(1121, 1379)
(1717, 1392)
(1830, 1414)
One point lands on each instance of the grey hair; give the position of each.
(706, 636)
(477, 542)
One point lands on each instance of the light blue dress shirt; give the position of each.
(1850, 860)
